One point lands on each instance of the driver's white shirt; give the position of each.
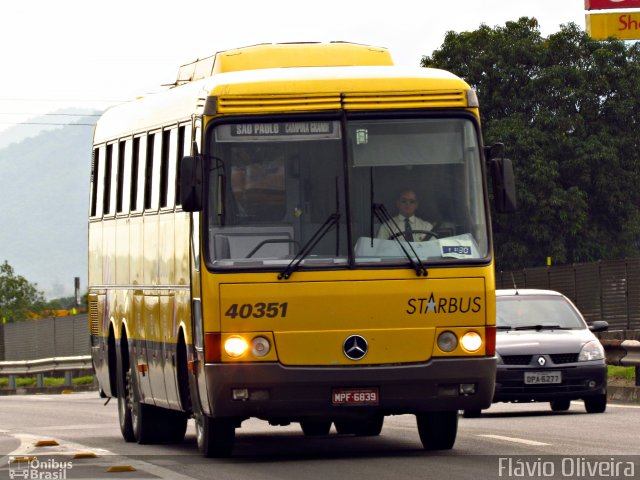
(416, 223)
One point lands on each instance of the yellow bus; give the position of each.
(249, 254)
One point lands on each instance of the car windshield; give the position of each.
(524, 312)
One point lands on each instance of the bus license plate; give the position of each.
(536, 378)
(355, 396)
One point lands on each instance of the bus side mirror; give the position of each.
(191, 183)
(504, 187)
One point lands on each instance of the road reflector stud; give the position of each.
(46, 443)
(23, 459)
(121, 468)
(85, 455)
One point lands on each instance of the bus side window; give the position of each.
(96, 178)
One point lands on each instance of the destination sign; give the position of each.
(278, 131)
(281, 128)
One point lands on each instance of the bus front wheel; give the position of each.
(215, 436)
(438, 429)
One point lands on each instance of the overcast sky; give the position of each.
(89, 53)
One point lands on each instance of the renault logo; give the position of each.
(541, 361)
(355, 347)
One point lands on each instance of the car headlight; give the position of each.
(591, 351)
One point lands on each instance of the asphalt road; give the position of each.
(508, 441)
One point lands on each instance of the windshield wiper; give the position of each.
(540, 327)
(504, 327)
(385, 218)
(306, 249)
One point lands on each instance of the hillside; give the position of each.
(44, 190)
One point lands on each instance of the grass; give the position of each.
(48, 381)
(623, 373)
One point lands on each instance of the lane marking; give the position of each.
(621, 405)
(516, 440)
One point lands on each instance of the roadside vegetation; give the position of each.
(48, 381)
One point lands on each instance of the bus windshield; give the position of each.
(385, 192)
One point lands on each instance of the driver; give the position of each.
(414, 228)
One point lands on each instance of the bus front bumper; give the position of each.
(273, 391)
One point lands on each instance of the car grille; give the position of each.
(564, 358)
(557, 358)
(516, 359)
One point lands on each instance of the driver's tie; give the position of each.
(407, 230)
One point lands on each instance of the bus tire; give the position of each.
(438, 429)
(315, 428)
(173, 424)
(215, 436)
(124, 404)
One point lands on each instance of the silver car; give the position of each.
(547, 353)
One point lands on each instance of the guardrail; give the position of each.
(625, 353)
(43, 365)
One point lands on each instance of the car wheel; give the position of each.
(596, 404)
(472, 413)
(560, 405)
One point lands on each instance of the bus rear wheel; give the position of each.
(215, 436)
(124, 405)
(438, 429)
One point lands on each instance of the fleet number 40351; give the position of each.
(257, 310)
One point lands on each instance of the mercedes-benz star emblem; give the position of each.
(355, 347)
(541, 361)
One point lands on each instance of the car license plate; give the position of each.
(355, 396)
(542, 378)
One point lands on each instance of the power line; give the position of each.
(54, 114)
(62, 100)
(47, 123)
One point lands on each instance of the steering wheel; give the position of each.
(424, 232)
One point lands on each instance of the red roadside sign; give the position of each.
(610, 4)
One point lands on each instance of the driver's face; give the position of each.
(407, 204)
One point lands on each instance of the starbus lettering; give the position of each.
(447, 305)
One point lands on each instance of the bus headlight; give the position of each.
(260, 347)
(235, 346)
(471, 341)
(447, 341)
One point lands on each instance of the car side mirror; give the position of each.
(599, 326)
(191, 189)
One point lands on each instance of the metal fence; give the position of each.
(606, 290)
(45, 338)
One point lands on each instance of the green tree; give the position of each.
(18, 297)
(568, 110)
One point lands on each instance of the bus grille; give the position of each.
(348, 101)
(276, 103)
(94, 327)
(440, 99)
